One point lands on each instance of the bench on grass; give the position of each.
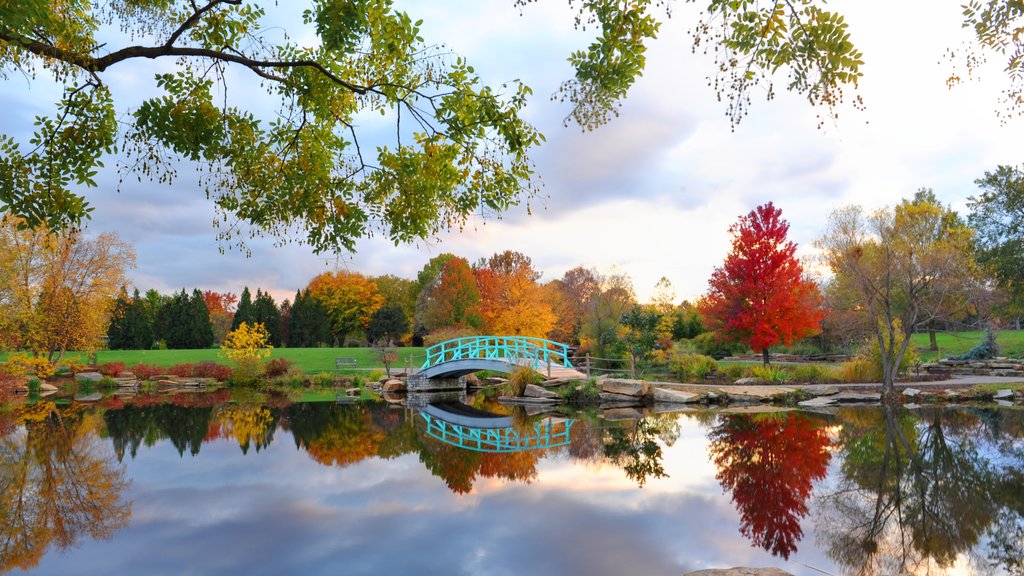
(344, 362)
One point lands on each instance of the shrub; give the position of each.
(771, 374)
(518, 380)
(110, 368)
(692, 366)
(277, 367)
(859, 370)
(986, 350)
(709, 344)
(734, 371)
(21, 364)
(148, 371)
(247, 346)
(812, 373)
(581, 392)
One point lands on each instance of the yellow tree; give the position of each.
(349, 298)
(511, 300)
(57, 291)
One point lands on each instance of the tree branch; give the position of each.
(194, 18)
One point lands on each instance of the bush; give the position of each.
(692, 366)
(860, 370)
(812, 373)
(21, 364)
(277, 367)
(709, 345)
(110, 369)
(219, 372)
(771, 374)
(518, 380)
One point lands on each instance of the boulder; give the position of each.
(620, 398)
(44, 387)
(821, 390)
(911, 392)
(856, 397)
(742, 398)
(1003, 394)
(534, 391)
(673, 396)
(394, 386)
(90, 376)
(126, 374)
(748, 381)
(625, 387)
(818, 402)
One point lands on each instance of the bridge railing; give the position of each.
(548, 433)
(534, 352)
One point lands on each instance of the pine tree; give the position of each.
(265, 312)
(246, 311)
(200, 326)
(138, 325)
(117, 337)
(173, 321)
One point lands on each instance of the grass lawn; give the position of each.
(952, 343)
(310, 360)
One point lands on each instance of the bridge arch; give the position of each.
(461, 356)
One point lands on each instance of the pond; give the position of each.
(210, 484)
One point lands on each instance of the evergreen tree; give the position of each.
(246, 311)
(387, 325)
(138, 326)
(200, 328)
(117, 338)
(308, 324)
(265, 311)
(285, 317)
(173, 320)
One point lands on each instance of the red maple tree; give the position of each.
(770, 465)
(759, 296)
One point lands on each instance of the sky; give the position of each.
(650, 194)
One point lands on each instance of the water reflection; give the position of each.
(471, 429)
(885, 491)
(57, 485)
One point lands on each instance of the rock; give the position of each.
(740, 571)
(1008, 372)
(126, 382)
(126, 374)
(622, 398)
(524, 400)
(711, 397)
(911, 392)
(534, 391)
(90, 376)
(1003, 394)
(911, 406)
(392, 398)
(674, 396)
(621, 414)
(393, 385)
(44, 387)
(818, 402)
(1004, 403)
(352, 392)
(162, 384)
(855, 397)
(535, 409)
(625, 387)
(495, 380)
(747, 381)
(96, 397)
(821, 390)
(742, 398)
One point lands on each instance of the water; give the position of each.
(262, 485)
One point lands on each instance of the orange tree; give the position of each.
(759, 296)
(349, 298)
(511, 300)
(453, 298)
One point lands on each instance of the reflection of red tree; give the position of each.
(770, 464)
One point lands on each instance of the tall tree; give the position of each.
(602, 330)
(265, 312)
(454, 299)
(246, 311)
(759, 296)
(199, 325)
(56, 291)
(350, 300)
(117, 338)
(511, 301)
(308, 323)
(221, 306)
(387, 325)
(577, 286)
(904, 267)
(138, 324)
(997, 216)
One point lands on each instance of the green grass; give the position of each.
(1011, 342)
(310, 360)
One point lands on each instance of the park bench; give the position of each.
(344, 362)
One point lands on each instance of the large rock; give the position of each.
(740, 571)
(44, 387)
(821, 390)
(91, 376)
(534, 391)
(625, 387)
(674, 396)
(818, 402)
(856, 397)
(1004, 394)
(618, 398)
(742, 398)
(393, 386)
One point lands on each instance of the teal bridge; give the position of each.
(461, 356)
(465, 427)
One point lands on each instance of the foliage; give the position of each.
(452, 299)
(277, 367)
(213, 370)
(812, 373)
(709, 344)
(581, 392)
(912, 263)
(759, 296)
(266, 312)
(22, 364)
(692, 367)
(686, 322)
(635, 448)
(641, 332)
(511, 301)
(387, 325)
(771, 374)
(110, 369)
(872, 352)
(350, 300)
(601, 327)
(518, 380)
(298, 166)
(997, 217)
(184, 321)
(308, 323)
(248, 346)
(131, 324)
(575, 289)
(438, 336)
(246, 311)
(57, 290)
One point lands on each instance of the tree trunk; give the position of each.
(933, 343)
(766, 356)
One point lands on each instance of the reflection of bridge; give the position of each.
(460, 425)
(461, 356)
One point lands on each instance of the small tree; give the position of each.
(641, 334)
(247, 347)
(387, 325)
(759, 296)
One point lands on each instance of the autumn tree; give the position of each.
(349, 298)
(575, 289)
(56, 291)
(511, 301)
(904, 267)
(452, 299)
(760, 296)
(602, 330)
(221, 306)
